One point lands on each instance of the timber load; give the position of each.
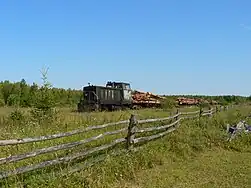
(193, 101)
(187, 101)
(140, 97)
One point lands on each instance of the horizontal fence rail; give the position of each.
(188, 113)
(61, 160)
(57, 147)
(148, 138)
(157, 119)
(150, 129)
(58, 135)
(190, 117)
(131, 130)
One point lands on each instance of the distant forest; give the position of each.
(24, 95)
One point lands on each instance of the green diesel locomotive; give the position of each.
(115, 95)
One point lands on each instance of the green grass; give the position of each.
(193, 138)
(212, 168)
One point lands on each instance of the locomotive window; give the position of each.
(89, 95)
(127, 87)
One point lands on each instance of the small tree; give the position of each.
(43, 108)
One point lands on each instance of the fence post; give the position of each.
(216, 109)
(201, 111)
(131, 132)
(177, 118)
(211, 110)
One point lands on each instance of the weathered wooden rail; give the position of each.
(131, 130)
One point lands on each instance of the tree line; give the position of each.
(22, 94)
(25, 95)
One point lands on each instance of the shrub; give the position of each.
(1, 103)
(168, 104)
(13, 100)
(17, 118)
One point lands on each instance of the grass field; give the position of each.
(213, 168)
(167, 161)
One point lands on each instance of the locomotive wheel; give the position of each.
(97, 107)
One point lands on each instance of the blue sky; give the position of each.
(161, 46)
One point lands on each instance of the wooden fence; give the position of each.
(131, 128)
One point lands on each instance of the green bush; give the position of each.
(2, 103)
(13, 100)
(168, 103)
(17, 118)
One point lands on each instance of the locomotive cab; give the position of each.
(126, 91)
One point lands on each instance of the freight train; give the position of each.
(115, 95)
